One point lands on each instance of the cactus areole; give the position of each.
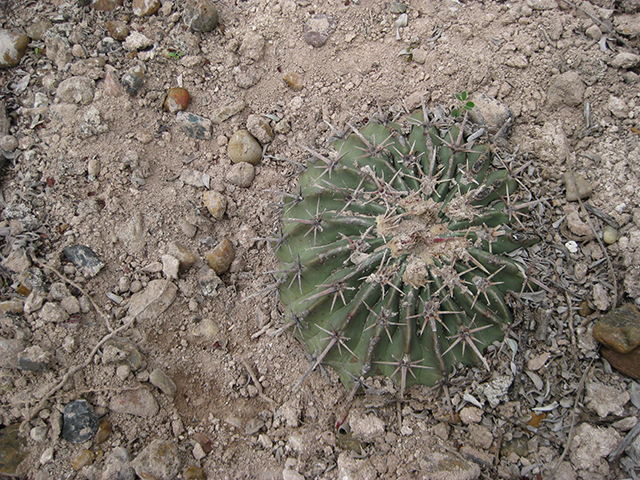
(392, 252)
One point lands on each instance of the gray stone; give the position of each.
(34, 359)
(243, 147)
(246, 77)
(10, 349)
(80, 422)
(318, 29)
(153, 300)
(133, 80)
(489, 112)
(8, 143)
(200, 15)
(606, 399)
(366, 428)
(252, 46)
(85, 259)
(447, 466)
(136, 41)
(117, 465)
(591, 444)
(53, 313)
(259, 127)
(140, 403)
(225, 112)
(241, 174)
(158, 461)
(20, 218)
(194, 126)
(576, 186)
(17, 261)
(58, 50)
(627, 25)
(119, 350)
(159, 379)
(618, 107)
(625, 60)
(208, 281)
(593, 32)
(565, 89)
(78, 90)
(170, 266)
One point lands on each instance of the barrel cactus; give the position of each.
(392, 251)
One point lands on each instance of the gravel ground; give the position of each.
(187, 373)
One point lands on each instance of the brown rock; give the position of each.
(177, 100)
(219, 259)
(200, 15)
(105, 5)
(12, 48)
(626, 363)
(294, 81)
(142, 8)
(118, 29)
(619, 329)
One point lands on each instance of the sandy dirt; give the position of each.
(233, 367)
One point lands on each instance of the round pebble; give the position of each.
(177, 100)
(243, 147)
(79, 422)
(241, 174)
(8, 143)
(609, 235)
(318, 29)
(118, 29)
(159, 379)
(133, 80)
(200, 15)
(12, 48)
(219, 259)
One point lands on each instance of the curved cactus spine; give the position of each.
(393, 262)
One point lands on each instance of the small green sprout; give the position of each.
(176, 55)
(463, 105)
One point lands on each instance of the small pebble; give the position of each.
(243, 147)
(78, 90)
(12, 48)
(259, 127)
(609, 235)
(170, 266)
(85, 458)
(85, 259)
(177, 100)
(159, 460)
(93, 167)
(185, 257)
(576, 187)
(140, 403)
(294, 81)
(194, 126)
(136, 41)
(105, 5)
(318, 29)
(194, 473)
(104, 430)
(159, 379)
(143, 8)
(118, 29)
(216, 203)
(8, 143)
(133, 80)
(241, 174)
(221, 257)
(80, 422)
(200, 15)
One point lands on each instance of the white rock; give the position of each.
(591, 444)
(137, 41)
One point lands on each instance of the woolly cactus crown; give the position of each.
(392, 251)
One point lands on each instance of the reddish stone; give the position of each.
(626, 363)
(177, 100)
(619, 329)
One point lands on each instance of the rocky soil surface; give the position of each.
(136, 339)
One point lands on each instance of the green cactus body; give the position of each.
(391, 253)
